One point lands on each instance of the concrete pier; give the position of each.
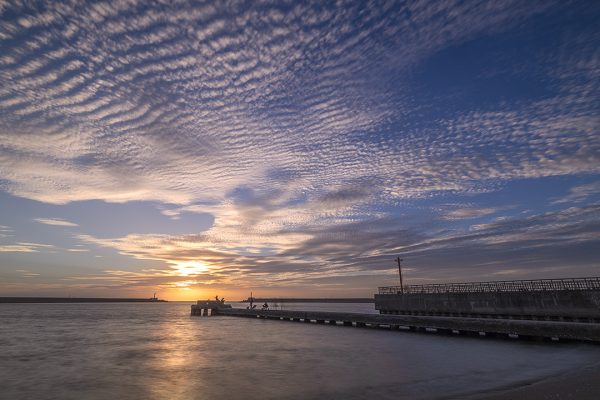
(574, 299)
(206, 308)
(477, 327)
(554, 309)
(551, 305)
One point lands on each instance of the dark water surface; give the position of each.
(157, 351)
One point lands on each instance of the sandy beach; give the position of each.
(581, 384)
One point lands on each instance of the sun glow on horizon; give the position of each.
(187, 289)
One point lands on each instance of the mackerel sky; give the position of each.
(295, 148)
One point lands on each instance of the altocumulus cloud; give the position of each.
(301, 126)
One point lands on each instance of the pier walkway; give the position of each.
(491, 327)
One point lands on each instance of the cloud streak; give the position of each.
(23, 247)
(55, 222)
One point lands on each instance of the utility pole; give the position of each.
(399, 260)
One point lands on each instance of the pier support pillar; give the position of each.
(205, 312)
(347, 323)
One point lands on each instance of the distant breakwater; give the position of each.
(76, 300)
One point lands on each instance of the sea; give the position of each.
(158, 351)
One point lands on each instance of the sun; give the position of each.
(190, 268)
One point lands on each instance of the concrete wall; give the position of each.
(562, 303)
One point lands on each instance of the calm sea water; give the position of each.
(157, 351)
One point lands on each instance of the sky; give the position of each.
(295, 148)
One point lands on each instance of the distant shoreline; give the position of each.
(312, 300)
(76, 300)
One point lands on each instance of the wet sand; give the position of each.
(581, 384)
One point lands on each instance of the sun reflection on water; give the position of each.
(174, 346)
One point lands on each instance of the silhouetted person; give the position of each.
(265, 306)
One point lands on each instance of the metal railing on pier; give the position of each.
(592, 283)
